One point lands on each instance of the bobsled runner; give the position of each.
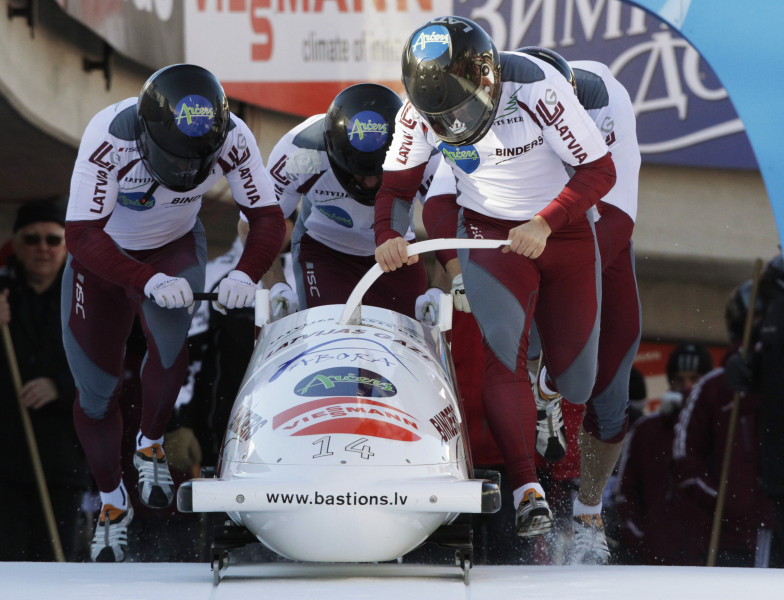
(346, 441)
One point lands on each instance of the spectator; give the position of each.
(770, 361)
(137, 247)
(701, 436)
(649, 515)
(762, 374)
(30, 307)
(638, 395)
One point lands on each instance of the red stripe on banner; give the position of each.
(303, 98)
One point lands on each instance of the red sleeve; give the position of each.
(265, 239)
(589, 184)
(439, 216)
(395, 186)
(88, 243)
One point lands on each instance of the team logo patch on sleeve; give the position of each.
(194, 115)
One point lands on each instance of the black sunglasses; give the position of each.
(51, 239)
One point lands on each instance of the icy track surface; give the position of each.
(388, 581)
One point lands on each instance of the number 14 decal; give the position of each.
(355, 446)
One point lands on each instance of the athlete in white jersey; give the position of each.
(137, 247)
(606, 417)
(506, 124)
(331, 164)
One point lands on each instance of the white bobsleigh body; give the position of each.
(346, 441)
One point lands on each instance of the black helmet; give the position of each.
(689, 356)
(736, 309)
(358, 130)
(452, 75)
(183, 119)
(551, 57)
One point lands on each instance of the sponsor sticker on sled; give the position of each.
(345, 414)
(345, 381)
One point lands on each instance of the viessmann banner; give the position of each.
(294, 56)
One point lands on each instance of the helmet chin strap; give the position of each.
(148, 194)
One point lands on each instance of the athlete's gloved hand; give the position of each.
(739, 373)
(459, 298)
(236, 290)
(183, 451)
(283, 300)
(426, 307)
(169, 292)
(671, 402)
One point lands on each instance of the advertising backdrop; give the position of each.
(294, 56)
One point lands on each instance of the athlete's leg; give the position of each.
(97, 319)
(567, 313)
(501, 290)
(606, 417)
(166, 330)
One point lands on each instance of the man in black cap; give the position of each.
(30, 307)
(650, 516)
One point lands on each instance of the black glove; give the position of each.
(739, 374)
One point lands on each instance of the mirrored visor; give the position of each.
(176, 172)
(463, 122)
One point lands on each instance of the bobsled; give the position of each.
(346, 441)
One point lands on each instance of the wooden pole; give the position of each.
(725, 466)
(35, 457)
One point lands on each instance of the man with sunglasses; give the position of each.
(137, 247)
(30, 307)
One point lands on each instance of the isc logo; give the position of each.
(310, 280)
(79, 307)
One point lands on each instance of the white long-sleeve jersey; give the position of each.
(608, 104)
(517, 168)
(300, 170)
(110, 179)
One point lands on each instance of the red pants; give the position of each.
(97, 319)
(504, 290)
(326, 276)
(607, 412)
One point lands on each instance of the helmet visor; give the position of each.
(177, 173)
(466, 123)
